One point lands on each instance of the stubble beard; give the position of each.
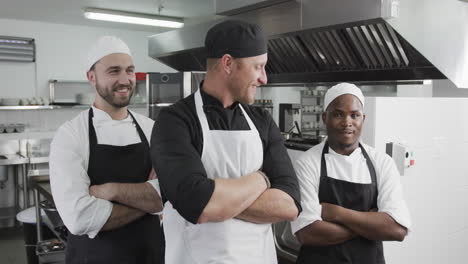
(108, 95)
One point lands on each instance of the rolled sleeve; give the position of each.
(180, 171)
(390, 198)
(278, 166)
(307, 170)
(155, 184)
(81, 213)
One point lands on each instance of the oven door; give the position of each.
(165, 88)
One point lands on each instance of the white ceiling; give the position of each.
(71, 11)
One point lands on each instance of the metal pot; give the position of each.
(286, 136)
(321, 138)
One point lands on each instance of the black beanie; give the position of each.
(236, 38)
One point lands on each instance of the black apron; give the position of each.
(137, 242)
(355, 196)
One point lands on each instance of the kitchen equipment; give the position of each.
(51, 251)
(85, 98)
(64, 92)
(10, 101)
(321, 138)
(289, 113)
(19, 127)
(266, 104)
(298, 129)
(3, 176)
(165, 89)
(286, 136)
(49, 208)
(10, 128)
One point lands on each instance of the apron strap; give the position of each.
(92, 131)
(204, 121)
(200, 112)
(247, 117)
(370, 166)
(142, 135)
(372, 172)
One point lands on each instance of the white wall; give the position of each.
(436, 188)
(60, 52)
(446, 88)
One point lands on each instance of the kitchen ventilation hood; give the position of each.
(335, 40)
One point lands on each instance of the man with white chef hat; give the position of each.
(101, 176)
(352, 198)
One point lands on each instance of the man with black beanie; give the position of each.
(221, 163)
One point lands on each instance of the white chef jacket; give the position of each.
(68, 161)
(352, 168)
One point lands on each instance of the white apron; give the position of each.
(226, 154)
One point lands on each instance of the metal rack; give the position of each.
(311, 111)
(52, 107)
(265, 104)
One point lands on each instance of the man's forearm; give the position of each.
(271, 206)
(121, 215)
(323, 233)
(141, 196)
(232, 196)
(371, 225)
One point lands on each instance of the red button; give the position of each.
(411, 163)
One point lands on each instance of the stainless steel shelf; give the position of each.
(13, 159)
(51, 107)
(27, 107)
(311, 113)
(313, 130)
(311, 96)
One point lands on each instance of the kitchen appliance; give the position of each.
(312, 41)
(68, 92)
(164, 89)
(289, 114)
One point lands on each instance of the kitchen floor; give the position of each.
(12, 249)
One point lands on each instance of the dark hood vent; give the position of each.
(362, 51)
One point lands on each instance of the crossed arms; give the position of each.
(340, 224)
(130, 201)
(248, 198)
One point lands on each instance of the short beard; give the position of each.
(108, 96)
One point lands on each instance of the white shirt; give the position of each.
(352, 168)
(68, 161)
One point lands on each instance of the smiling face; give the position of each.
(247, 75)
(344, 118)
(113, 76)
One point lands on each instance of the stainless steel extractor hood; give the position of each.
(336, 40)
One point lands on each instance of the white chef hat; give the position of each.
(104, 46)
(340, 89)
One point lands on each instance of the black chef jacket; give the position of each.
(177, 143)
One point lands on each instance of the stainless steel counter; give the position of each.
(13, 159)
